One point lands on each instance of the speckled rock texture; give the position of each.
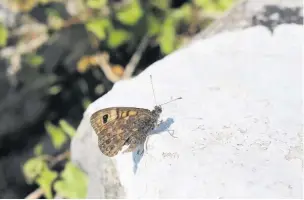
(238, 130)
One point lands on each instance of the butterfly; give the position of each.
(119, 126)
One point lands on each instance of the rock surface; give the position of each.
(238, 128)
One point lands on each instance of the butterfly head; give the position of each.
(157, 110)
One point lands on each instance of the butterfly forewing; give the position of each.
(116, 126)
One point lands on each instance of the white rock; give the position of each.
(238, 127)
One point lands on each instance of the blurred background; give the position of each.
(58, 56)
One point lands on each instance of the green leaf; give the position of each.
(38, 149)
(168, 36)
(214, 6)
(34, 60)
(211, 8)
(45, 181)
(52, 12)
(57, 135)
(202, 3)
(96, 4)
(161, 4)
(98, 27)
(54, 89)
(153, 25)
(67, 128)
(3, 35)
(131, 14)
(117, 37)
(225, 4)
(32, 168)
(73, 184)
(182, 13)
(54, 19)
(86, 102)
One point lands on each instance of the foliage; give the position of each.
(32, 168)
(71, 182)
(98, 27)
(3, 35)
(164, 25)
(45, 180)
(117, 37)
(53, 90)
(130, 14)
(38, 149)
(57, 135)
(213, 6)
(34, 60)
(54, 19)
(85, 103)
(67, 128)
(36, 170)
(96, 3)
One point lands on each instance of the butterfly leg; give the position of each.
(171, 132)
(159, 123)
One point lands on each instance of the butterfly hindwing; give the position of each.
(115, 126)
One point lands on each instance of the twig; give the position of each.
(102, 60)
(59, 158)
(25, 46)
(136, 57)
(36, 194)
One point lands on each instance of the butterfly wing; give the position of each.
(114, 126)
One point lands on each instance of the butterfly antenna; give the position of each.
(153, 90)
(171, 101)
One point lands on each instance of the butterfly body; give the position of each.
(119, 126)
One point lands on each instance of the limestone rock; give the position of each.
(238, 127)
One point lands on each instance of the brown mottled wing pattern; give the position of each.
(118, 126)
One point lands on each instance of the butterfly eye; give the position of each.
(105, 118)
